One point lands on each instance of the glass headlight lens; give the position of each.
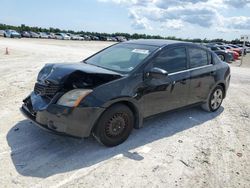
(73, 97)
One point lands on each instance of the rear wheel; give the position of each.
(114, 126)
(222, 57)
(215, 100)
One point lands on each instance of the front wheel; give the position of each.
(215, 100)
(114, 126)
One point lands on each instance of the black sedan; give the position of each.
(111, 92)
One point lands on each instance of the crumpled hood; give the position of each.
(59, 73)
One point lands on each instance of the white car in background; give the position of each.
(2, 32)
(62, 36)
(43, 35)
(247, 47)
(75, 37)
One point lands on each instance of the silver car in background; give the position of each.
(62, 36)
(2, 33)
(33, 34)
(43, 35)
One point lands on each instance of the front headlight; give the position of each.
(73, 97)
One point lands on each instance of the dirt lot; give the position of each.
(188, 148)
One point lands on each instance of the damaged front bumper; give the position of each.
(77, 122)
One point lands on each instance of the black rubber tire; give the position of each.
(100, 130)
(222, 57)
(208, 106)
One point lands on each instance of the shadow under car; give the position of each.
(38, 153)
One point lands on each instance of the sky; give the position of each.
(227, 19)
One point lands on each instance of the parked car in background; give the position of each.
(33, 34)
(121, 39)
(114, 39)
(75, 37)
(238, 47)
(102, 38)
(62, 36)
(12, 34)
(51, 35)
(247, 45)
(247, 48)
(2, 33)
(233, 49)
(72, 36)
(80, 37)
(86, 37)
(111, 92)
(219, 43)
(43, 35)
(94, 37)
(224, 55)
(111, 39)
(235, 54)
(25, 34)
(58, 36)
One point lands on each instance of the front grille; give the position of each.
(46, 89)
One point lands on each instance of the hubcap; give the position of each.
(221, 57)
(216, 99)
(116, 125)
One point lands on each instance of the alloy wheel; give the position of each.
(216, 99)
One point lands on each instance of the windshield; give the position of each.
(121, 57)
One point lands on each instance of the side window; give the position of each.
(172, 60)
(198, 57)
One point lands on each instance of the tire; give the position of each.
(215, 100)
(222, 57)
(114, 125)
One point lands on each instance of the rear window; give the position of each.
(198, 57)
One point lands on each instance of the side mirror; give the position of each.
(157, 73)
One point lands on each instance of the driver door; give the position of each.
(172, 91)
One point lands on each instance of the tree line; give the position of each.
(24, 27)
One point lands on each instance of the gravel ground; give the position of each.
(188, 148)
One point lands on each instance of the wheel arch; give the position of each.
(220, 83)
(224, 88)
(131, 105)
(134, 109)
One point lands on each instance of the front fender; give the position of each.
(133, 104)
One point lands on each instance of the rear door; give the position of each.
(169, 93)
(202, 73)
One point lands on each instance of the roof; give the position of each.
(155, 42)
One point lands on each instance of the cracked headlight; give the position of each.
(73, 97)
(45, 72)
